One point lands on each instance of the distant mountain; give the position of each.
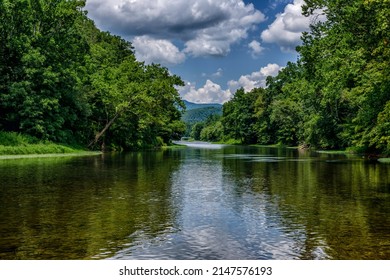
(199, 112)
(190, 105)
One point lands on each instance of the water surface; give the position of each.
(199, 202)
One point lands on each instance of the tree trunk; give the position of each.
(97, 137)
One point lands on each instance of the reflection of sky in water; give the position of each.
(229, 202)
(219, 217)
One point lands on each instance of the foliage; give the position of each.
(16, 139)
(196, 130)
(12, 143)
(239, 117)
(212, 130)
(336, 96)
(200, 114)
(346, 60)
(41, 53)
(195, 116)
(64, 80)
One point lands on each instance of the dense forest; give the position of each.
(64, 80)
(198, 116)
(337, 94)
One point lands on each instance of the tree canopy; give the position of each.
(335, 96)
(62, 79)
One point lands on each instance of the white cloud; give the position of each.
(209, 93)
(255, 48)
(157, 50)
(214, 93)
(217, 39)
(205, 27)
(288, 26)
(218, 74)
(255, 79)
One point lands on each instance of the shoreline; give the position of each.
(49, 155)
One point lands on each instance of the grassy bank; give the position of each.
(12, 144)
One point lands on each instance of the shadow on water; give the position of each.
(81, 208)
(201, 202)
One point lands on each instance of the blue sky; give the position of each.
(215, 46)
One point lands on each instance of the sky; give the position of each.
(215, 46)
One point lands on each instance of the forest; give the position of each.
(64, 80)
(335, 96)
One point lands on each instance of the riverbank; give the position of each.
(15, 145)
(78, 154)
(346, 152)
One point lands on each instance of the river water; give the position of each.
(199, 202)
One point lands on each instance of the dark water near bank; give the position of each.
(201, 202)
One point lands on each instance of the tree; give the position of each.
(239, 117)
(133, 103)
(42, 52)
(347, 60)
(212, 129)
(63, 79)
(196, 130)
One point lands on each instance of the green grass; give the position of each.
(16, 139)
(36, 149)
(273, 146)
(229, 142)
(12, 143)
(173, 146)
(32, 156)
(384, 160)
(334, 152)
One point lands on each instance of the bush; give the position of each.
(16, 139)
(12, 143)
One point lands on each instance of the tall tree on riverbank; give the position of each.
(133, 104)
(347, 64)
(337, 95)
(64, 80)
(239, 117)
(41, 52)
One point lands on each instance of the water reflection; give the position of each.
(227, 202)
(81, 208)
(325, 206)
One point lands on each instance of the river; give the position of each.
(198, 202)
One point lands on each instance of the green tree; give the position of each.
(63, 79)
(239, 117)
(196, 130)
(212, 132)
(134, 105)
(346, 59)
(42, 52)
(213, 129)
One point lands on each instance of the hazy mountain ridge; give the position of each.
(191, 105)
(199, 112)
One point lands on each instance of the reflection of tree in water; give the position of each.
(83, 207)
(190, 203)
(335, 209)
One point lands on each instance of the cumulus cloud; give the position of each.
(209, 93)
(255, 79)
(216, 39)
(218, 74)
(205, 27)
(255, 48)
(288, 26)
(157, 51)
(214, 93)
